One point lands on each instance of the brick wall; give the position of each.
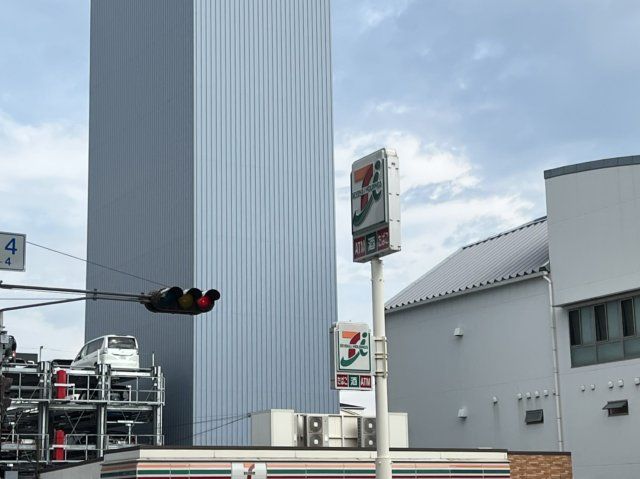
(540, 465)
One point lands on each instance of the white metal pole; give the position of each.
(383, 459)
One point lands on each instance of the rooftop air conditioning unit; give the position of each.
(367, 432)
(316, 431)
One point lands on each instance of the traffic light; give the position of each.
(5, 400)
(176, 301)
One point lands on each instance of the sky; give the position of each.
(477, 97)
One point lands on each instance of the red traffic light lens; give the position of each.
(208, 300)
(205, 303)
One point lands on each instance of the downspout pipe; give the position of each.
(554, 353)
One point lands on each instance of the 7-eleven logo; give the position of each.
(357, 347)
(369, 180)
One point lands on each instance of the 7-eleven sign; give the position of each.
(367, 194)
(351, 356)
(375, 205)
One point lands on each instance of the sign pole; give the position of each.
(383, 459)
(375, 226)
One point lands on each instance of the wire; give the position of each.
(94, 263)
(30, 299)
(214, 428)
(47, 348)
(206, 420)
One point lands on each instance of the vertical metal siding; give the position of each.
(264, 216)
(140, 216)
(262, 185)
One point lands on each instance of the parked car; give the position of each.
(61, 362)
(121, 352)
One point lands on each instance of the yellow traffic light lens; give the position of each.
(185, 301)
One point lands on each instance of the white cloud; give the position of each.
(392, 107)
(44, 192)
(49, 150)
(421, 164)
(45, 173)
(374, 12)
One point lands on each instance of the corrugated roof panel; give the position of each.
(511, 254)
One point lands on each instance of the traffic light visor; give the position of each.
(208, 300)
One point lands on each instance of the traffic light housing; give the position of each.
(174, 300)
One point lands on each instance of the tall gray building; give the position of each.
(210, 165)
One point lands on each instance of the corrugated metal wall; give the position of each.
(262, 230)
(264, 217)
(141, 179)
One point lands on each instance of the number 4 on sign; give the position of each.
(11, 246)
(8, 262)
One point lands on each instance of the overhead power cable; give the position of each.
(26, 298)
(214, 428)
(47, 349)
(94, 263)
(207, 420)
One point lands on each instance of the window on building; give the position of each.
(600, 314)
(605, 332)
(617, 408)
(534, 416)
(574, 327)
(628, 323)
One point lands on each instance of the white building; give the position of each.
(530, 339)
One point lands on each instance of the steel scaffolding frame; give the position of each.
(61, 414)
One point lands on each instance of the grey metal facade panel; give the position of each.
(505, 350)
(264, 216)
(140, 180)
(515, 253)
